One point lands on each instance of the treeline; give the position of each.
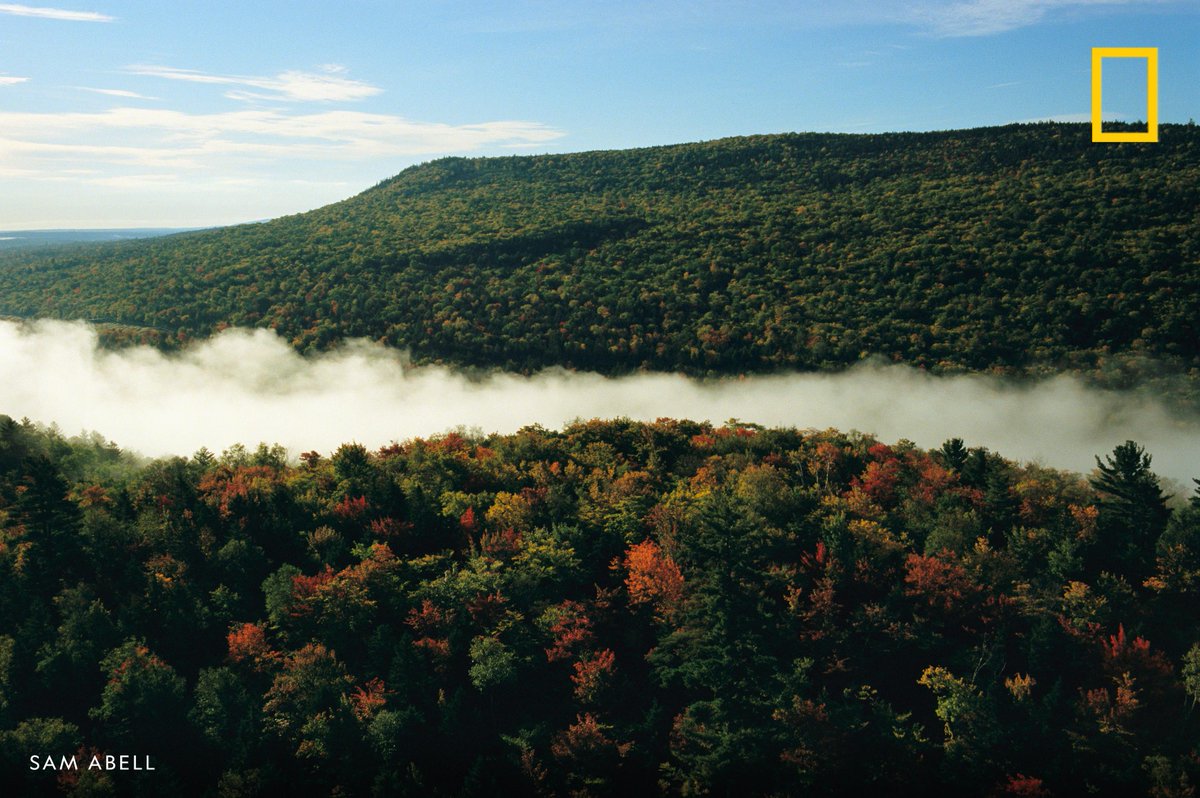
(669, 608)
(1011, 249)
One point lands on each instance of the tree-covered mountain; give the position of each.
(1013, 249)
(649, 609)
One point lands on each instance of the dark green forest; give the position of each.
(667, 608)
(1019, 249)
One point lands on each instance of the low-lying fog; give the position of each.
(249, 386)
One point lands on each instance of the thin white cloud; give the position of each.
(132, 95)
(988, 17)
(157, 180)
(156, 150)
(653, 18)
(8, 80)
(136, 167)
(328, 85)
(332, 134)
(53, 13)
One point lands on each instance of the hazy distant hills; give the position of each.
(26, 239)
(1006, 249)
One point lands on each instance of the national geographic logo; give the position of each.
(1151, 56)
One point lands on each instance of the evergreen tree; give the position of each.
(1133, 512)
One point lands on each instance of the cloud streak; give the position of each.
(944, 18)
(249, 386)
(329, 85)
(54, 144)
(990, 17)
(16, 10)
(9, 80)
(132, 95)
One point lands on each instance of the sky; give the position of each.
(140, 113)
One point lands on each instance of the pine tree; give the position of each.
(1133, 512)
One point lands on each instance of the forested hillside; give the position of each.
(667, 608)
(1010, 249)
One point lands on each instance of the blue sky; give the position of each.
(120, 113)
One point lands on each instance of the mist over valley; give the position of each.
(246, 386)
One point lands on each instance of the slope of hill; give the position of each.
(1014, 249)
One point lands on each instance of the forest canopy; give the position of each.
(1015, 249)
(656, 608)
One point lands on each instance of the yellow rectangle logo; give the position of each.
(1151, 56)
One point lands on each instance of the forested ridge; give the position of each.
(1015, 249)
(671, 608)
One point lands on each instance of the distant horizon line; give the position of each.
(131, 229)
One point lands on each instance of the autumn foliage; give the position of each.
(653, 578)
(672, 608)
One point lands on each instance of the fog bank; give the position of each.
(247, 386)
